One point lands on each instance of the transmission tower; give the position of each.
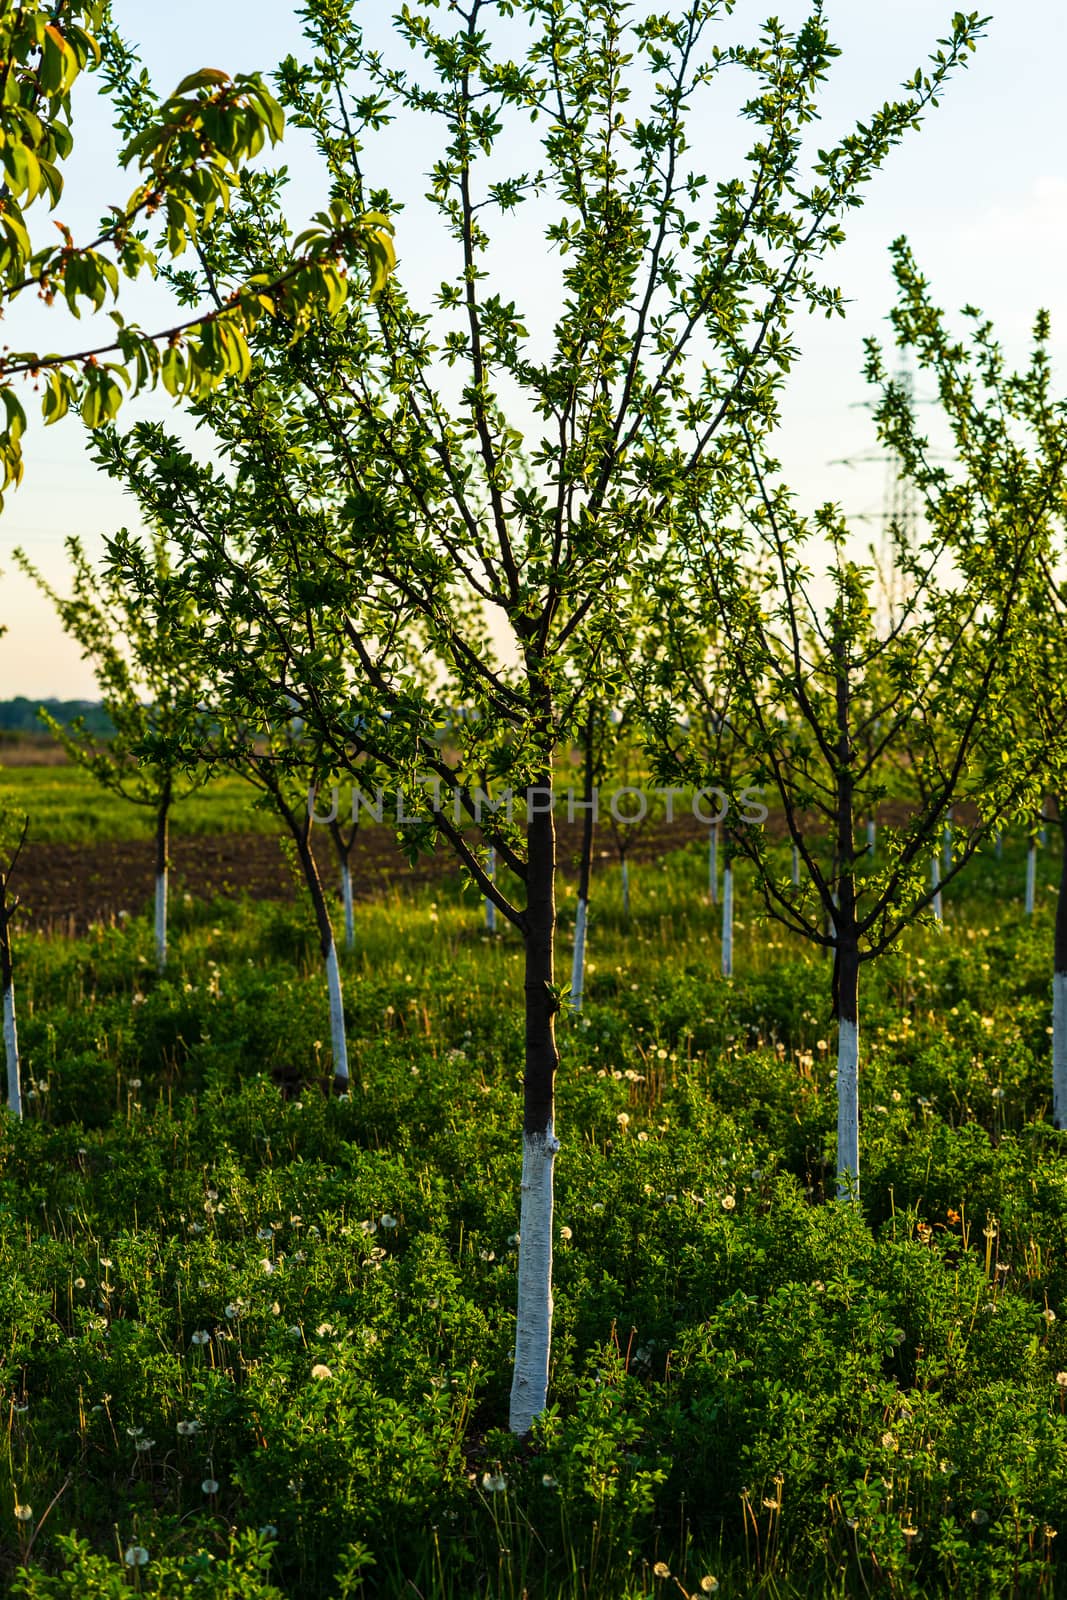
(897, 520)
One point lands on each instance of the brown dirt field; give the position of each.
(66, 887)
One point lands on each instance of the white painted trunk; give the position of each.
(935, 884)
(871, 834)
(578, 961)
(946, 852)
(338, 1041)
(490, 908)
(161, 920)
(848, 1109)
(533, 1324)
(11, 1054)
(796, 868)
(350, 910)
(625, 888)
(728, 921)
(1059, 1049)
(1031, 877)
(999, 841)
(713, 865)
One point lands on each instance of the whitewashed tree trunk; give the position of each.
(533, 1325)
(625, 887)
(350, 910)
(1031, 877)
(490, 908)
(1059, 979)
(1059, 1049)
(935, 884)
(713, 864)
(848, 1108)
(999, 843)
(728, 921)
(871, 836)
(11, 1053)
(796, 868)
(578, 959)
(162, 874)
(946, 853)
(161, 920)
(338, 1041)
(533, 1321)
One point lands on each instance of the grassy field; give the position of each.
(255, 1341)
(67, 806)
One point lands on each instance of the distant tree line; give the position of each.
(20, 715)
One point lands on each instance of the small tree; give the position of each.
(134, 641)
(12, 840)
(285, 773)
(372, 487)
(813, 676)
(1009, 436)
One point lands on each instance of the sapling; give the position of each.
(813, 675)
(284, 773)
(400, 461)
(1012, 433)
(10, 851)
(134, 641)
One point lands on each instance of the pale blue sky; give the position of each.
(981, 192)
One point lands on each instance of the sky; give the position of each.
(980, 192)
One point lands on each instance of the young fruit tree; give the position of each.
(203, 731)
(813, 675)
(442, 457)
(11, 846)
(1009, 436)
(12, 840)
(133, 638)
(283, 770)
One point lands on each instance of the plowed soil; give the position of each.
(64, 888)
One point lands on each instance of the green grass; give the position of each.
(750, 1384)
(67, 806)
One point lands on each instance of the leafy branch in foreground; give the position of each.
(188, 154)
